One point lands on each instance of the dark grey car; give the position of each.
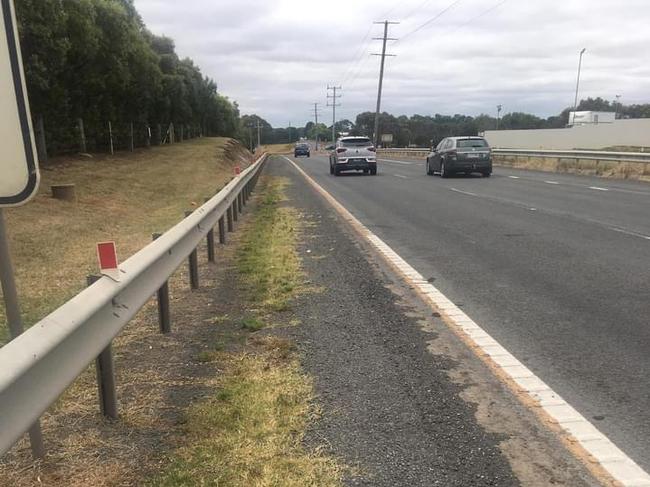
(455, 155)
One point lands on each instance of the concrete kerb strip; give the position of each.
(604, 459)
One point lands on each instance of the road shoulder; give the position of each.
(403, 400)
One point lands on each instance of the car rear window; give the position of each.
(471, 143)
(302, 146)
(359, 142)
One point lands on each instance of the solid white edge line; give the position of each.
(603, 451)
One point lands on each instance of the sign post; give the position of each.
(18, 168)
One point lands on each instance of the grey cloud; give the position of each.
(275, 58)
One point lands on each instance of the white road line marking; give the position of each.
(551, 182)
(404, 163)
(400, 176)
(462, 192)
(595, 445)
(629, 232)
(513, 177)
(598, 188)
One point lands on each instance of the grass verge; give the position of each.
(124, 198)
(267, 258)
(250, 432)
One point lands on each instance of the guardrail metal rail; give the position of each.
(38, 365)
(643, 157)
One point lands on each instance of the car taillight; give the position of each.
(341, 149)
(372, 149)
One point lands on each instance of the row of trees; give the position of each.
(95, 60)
(421, 130)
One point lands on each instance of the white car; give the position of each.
(353, 154)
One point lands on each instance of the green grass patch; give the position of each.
(267, 258)
(250, 432)
(252, 324)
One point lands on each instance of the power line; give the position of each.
(432, 19)
(485, 12)
(358, 54)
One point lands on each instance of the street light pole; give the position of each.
(499, 107)
(618, 104)
(575, 102)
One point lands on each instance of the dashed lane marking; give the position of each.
(599, 454)
(462, 192)
(513, 177)
(551, 182)
(400, 176)
(598, 188)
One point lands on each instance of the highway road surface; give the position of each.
(555, 267)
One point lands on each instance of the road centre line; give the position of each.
(462, 192)
(551, 182)
(513, 177)
(402, 162)
(595, 450)
(518, 204)
(598, 188)
(400, 176)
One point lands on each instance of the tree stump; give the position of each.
(64, 192)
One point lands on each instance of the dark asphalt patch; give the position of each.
(389, 408)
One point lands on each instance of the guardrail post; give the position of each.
(193, 262)
(164, 317)
(210, 241)
(235, 210)
(222, 231)
(105, 375)
(229, 217)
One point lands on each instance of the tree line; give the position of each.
(95, 61)
(424, 130)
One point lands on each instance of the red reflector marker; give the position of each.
(237, 170)
(107, 256)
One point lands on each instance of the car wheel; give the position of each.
(337, 171)
(443, 169)
(373, 172)
(487, 174)
(429, 171)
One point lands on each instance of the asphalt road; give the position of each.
(555, 267)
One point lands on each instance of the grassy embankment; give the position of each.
(249, 433)
(124, 198)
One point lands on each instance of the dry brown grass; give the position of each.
(123, 198)
(278, 148)
(609, 169)
(250, 432)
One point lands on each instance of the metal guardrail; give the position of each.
(560, 154)
(577, 154)
(37, 366)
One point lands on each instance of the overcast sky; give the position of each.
(276, 57)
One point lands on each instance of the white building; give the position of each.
(589, 118)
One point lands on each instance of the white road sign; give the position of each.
(18, 161)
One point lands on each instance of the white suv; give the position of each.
(353, 154)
